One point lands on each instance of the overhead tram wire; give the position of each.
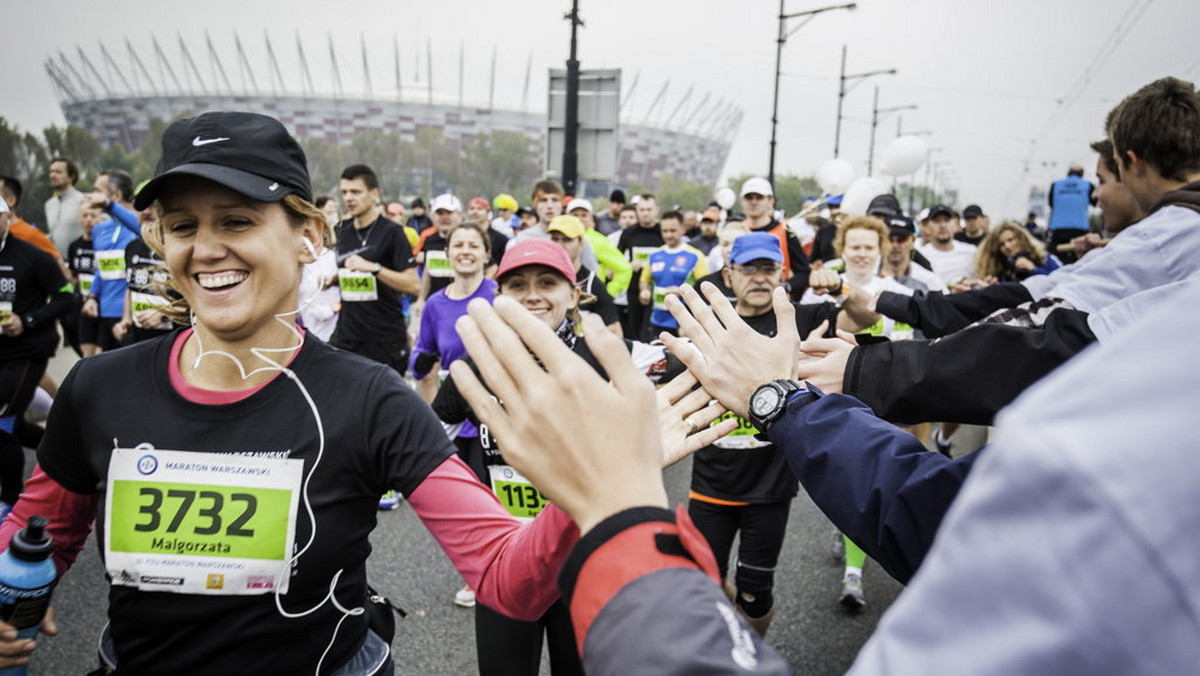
(1104, 52)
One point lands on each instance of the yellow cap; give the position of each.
(505, 201)
(568, 225)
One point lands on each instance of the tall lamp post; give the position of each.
(877, 114)
(842, 90)
(570, 165)
(784, 34)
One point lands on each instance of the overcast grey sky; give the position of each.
(1010, 90)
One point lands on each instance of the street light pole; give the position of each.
(842, 78)
(779, 42)
(876, 114)
(570, 165)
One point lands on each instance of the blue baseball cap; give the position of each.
(755, 245)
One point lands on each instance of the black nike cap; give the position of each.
(248, 153)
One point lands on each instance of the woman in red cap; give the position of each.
(538, 274)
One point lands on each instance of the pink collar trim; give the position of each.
(199, 395)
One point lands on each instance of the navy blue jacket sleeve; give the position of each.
(875, 481)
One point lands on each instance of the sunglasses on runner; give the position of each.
(752, 269)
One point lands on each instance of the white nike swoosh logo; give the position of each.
(203, 142)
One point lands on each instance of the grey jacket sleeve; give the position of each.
(1071, 548)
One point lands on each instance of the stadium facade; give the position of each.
(692, 143)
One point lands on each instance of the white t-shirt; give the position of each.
(950, 266)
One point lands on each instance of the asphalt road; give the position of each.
(812, 631)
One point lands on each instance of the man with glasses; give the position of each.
(742, 486)
(758, 204)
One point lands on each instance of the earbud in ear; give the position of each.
(308, 246)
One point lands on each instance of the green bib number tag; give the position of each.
(642, 253)
(153, 518)
(521, 498)
(660, 298)
(437, 264)
(111, 263)
(200, 523)
(740, 438)
(357, 287)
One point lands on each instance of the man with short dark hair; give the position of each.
(637, 242)
(951, 259)
(671, 266)
(706, 240)
(378, 267)
(608, 222)
(419, 220)
(977, 226)
(62, 209)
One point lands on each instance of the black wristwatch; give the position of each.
(769, 402)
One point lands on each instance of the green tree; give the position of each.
(24, 157)
(497, 162)
(790, 190)
(675, 192)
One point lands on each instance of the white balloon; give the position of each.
(835, 176)
(904, 155)
(860, 193)
(725, 197)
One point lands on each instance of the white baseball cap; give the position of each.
(580, 203)
(445, 202)
(757, 186)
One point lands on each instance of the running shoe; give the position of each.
(389, 501)
(464, 598)
(837, 546)
(852, 592)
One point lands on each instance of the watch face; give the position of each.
(764, 401)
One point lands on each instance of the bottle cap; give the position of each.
(32, 543)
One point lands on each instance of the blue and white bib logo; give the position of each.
(147, 464)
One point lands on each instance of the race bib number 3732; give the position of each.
(200, 523)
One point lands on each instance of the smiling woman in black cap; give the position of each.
(233, 474)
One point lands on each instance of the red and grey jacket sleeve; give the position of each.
(642, 588)
(940, 314)
(966, 377)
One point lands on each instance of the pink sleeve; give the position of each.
(70, 515)
(511, 566)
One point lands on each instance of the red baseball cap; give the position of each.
(537, 251)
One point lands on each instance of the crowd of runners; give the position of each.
(291, 363)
